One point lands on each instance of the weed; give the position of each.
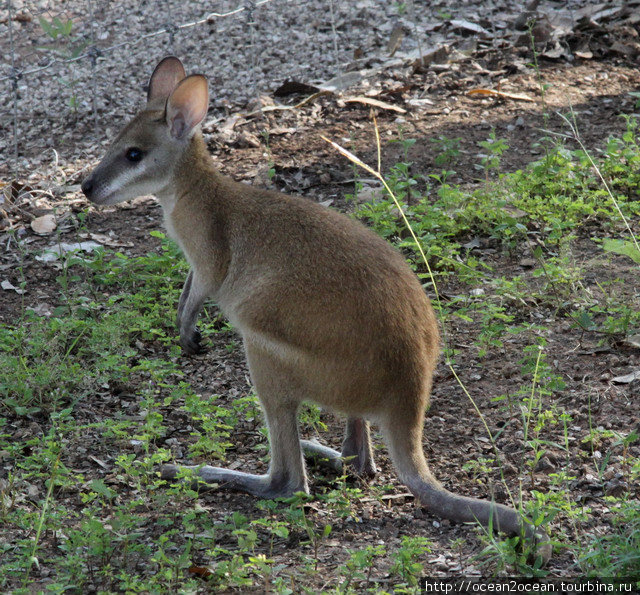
(448, 150)
(359, 566)
(67, 47)
(297, 517)
(406, 561)
(494, 147)
(618, 553)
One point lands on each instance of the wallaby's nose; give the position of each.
(87, 187)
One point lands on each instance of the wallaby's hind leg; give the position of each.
(356, 449)
(286, 471)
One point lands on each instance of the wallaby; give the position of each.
(328, 311)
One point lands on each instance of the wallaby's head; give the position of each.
(143, 157)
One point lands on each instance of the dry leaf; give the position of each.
(395, 40)
(276, 108)
(468, 26)
(375, 103)
(44, 225)
(633, 341)
(109, 241)
(295, 87)
(420, 101)
(53, 253)
(343, 81)
(8, 286)
(430, 56)
(584, 54)
(627, 378)
(281, 130)
(99, 462)
(495, 93)
(42, 309)
(201, 571)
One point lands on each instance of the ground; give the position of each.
(580, 453)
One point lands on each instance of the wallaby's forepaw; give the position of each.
(191, 343)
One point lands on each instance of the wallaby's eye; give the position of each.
(133, 154)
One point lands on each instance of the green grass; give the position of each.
(102, 377)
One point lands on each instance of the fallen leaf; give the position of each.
(44, 225)
(295, 87)
(627, 378)
(468, 26)
(375, 103)
(606, 13)
(527, 263)
(281, 130)
(342, 81)
(556, 51)
(13, 191)
(54, 252)
(99, 462)
(514, 96)
(42, 310)
(633, 341)
(276, 108)
(66, 189)
(228, 124)
(8, 286)
(395, 40)
(201, 571)
(430, 56)
(109, 241)
(515, 212)
(584, 54)
(420, 101)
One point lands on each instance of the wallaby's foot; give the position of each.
(190, 342)
(263, 486)
(358, 463)
(356, 448)
(322, 455)
(364, 466)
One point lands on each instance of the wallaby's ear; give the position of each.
(187, 105)
(165, 78)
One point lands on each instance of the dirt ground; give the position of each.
(437, 104)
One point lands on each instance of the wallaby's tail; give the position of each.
(406, 452)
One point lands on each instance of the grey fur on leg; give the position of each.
(357, 448)
(357, 452)
(286, 474)
(262, 486)
(322, 454)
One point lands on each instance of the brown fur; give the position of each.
(328, 311)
